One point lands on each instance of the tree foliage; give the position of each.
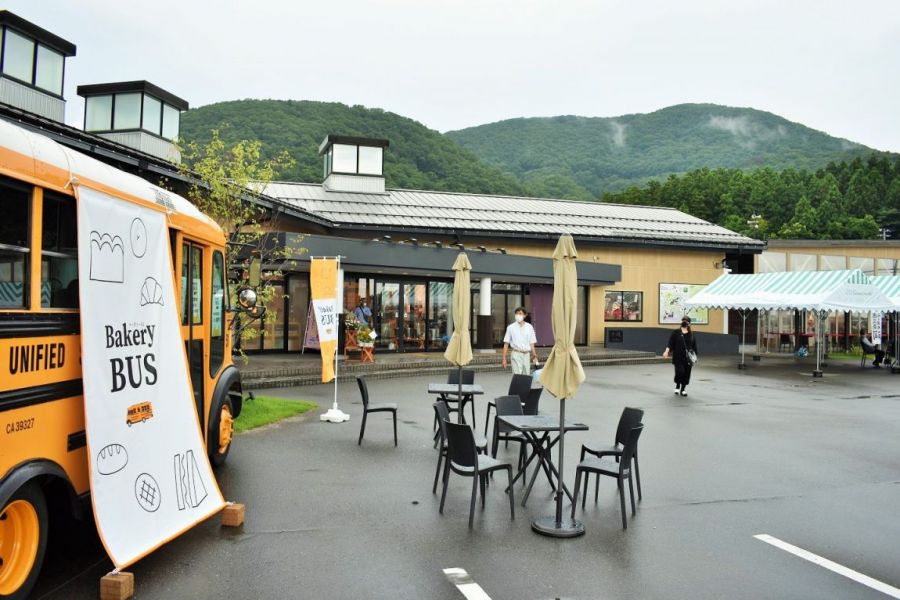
(225, 177)
(845, 200)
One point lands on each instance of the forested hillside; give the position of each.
(582, 157)
(418, 157)
(846, 200)
(747, 170)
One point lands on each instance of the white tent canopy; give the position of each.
(820, 291)
(817, 291)
(889, 286)
(739, 292)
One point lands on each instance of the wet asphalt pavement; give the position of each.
(815, 463)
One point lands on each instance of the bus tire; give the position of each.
(23, 540)
(221, 431)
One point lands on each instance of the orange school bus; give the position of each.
(43, 459)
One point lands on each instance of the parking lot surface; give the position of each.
(814, 463)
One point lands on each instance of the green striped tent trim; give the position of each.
(809, 283)
(735, 285)
(793, 289)
(732, 291)
(889, 286)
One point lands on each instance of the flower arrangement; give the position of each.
(366, 335)
(351, 323)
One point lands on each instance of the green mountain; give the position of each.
(583, 157)
(418, 157)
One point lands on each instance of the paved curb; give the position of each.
(279, 378)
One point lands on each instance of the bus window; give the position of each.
(191, 284)
(197, 285)
(59, 260)
(217, 320)
(185, 257)
(15, 202)
(192, 304)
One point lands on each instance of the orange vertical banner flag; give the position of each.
(323, 274)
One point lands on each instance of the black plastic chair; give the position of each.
(866, 351)
(468, 378)
(508, 406)
(606, 466)
(463, 459)
(519, 385)
(629, 419)
(443, 414)
(530, 406)
(371, 408)
(872, 351)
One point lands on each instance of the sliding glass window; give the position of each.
(49, 73)
(18, 56)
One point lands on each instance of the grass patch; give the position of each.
(263, 410)
(844, 355)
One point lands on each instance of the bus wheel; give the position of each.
(23, 539)
(221, 432)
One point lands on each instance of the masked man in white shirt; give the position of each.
(520, 339)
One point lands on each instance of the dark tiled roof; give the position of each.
(508, 216)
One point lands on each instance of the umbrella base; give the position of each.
(567, 528)
(742, 366)
(818, 374)
(334, 415)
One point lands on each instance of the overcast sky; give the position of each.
(831, 65)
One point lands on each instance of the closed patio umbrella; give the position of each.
(459, 350)
(562, 372)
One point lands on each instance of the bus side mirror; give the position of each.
(247, 298)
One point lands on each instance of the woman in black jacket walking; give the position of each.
(682, 340)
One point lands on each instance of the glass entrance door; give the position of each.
(400, 317)
(413, 317)
(387, 315)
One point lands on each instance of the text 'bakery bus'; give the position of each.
(43, 460)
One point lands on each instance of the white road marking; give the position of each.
(468, 588)
(831, 565)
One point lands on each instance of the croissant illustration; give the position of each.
(151, 292)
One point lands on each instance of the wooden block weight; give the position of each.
(233, 515)
(117, 586)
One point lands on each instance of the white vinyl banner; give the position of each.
(326, 319)
(875, 319)
(150, 476)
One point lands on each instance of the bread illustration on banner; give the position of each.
(151, 292)
(190, 490)
(112, 459)
(146, 490)
(107, 258)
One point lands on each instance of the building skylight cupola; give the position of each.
(32, 67)
(353, 164)
(137, 114)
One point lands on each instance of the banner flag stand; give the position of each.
(327, 288)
